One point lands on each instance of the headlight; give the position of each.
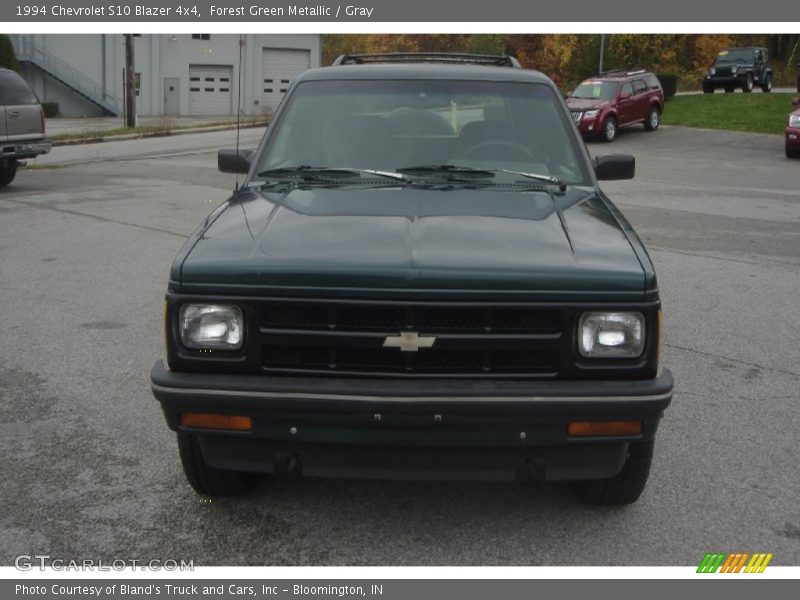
(590, 114)
(794, 120)
(611, 335)
(712, 71)
(211, 326)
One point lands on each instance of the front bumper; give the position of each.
(414, 429)
(721, 82)
(25, 149)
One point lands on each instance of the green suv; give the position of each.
(419, 278)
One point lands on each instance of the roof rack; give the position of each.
(623, 72)
(428, 57)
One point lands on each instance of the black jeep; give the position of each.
(739, 68)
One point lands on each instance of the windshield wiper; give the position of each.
(458, 169)
(310, 172)
(447, 169)
(562, 186)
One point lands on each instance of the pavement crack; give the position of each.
(733, 360)
(95, 217)
(723, 258)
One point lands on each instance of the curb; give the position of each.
(151, 134)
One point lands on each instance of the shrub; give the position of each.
(669, 82)
(50, 109)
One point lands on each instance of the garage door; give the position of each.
(210, 90)
(280, 67)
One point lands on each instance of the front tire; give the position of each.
(207, 480)
(653, 119)
(792, 152)
(747, 86)
(708, 89)
(766, 87)
(626, 486)
(8, 171)
(609, 133)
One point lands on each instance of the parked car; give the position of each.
(22, 131)
(742, 68)
(614, 99)
(793, 131)
(419, 277)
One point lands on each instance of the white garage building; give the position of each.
(182, 74)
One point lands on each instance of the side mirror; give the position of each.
(624, 96)
(233, 161)
(796, 101)
(614, 166)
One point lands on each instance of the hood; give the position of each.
(585, 103)
(407, 238)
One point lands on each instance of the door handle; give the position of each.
(13, 114)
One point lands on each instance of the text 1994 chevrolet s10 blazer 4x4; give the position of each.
(419, 278)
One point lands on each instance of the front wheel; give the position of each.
(766, 87)
(207, 480)
(609, 132)
(708, 89)
(747, 86)
(626, 486)
(792, 151)
(653, 119)
(8, 170)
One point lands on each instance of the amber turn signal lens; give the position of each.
(211, 421)
(598, 428)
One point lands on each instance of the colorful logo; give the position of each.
(734, 562)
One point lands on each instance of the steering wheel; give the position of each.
(518, 148)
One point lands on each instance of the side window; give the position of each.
(14, 90)
(652, 82)
(627, 89)
(639, 86)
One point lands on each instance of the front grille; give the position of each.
(723, 71)
(471, 340)
(576, 115)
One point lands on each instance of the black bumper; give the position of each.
(721, 82)
(24, 149)
(414, 429)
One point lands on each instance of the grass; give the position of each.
(161, 129)
(755, 113)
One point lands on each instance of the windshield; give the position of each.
(394, 125)
(743, 54)
(596, 90)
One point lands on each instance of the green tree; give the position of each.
(8, 59)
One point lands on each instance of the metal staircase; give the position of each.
(29, 52)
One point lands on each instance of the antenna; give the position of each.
(238, 100)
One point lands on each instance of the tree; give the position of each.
(8, 59)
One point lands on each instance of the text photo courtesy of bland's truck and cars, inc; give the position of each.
(252, 10)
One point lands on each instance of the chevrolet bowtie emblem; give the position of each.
(409, 341)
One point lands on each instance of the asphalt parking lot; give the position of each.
(90, 469)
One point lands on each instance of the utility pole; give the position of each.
(130, 89)
(602, 48)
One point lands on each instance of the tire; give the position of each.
(609, 132)
(747, 86)
(625, 487)
(708, 89)
(792, 152)
(729, 90)
(766, 87)
(7, 172)
(210, 481)
(653, 119)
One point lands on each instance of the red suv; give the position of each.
(793, 131)
(614, 99)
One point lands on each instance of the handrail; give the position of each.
(27, 50)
